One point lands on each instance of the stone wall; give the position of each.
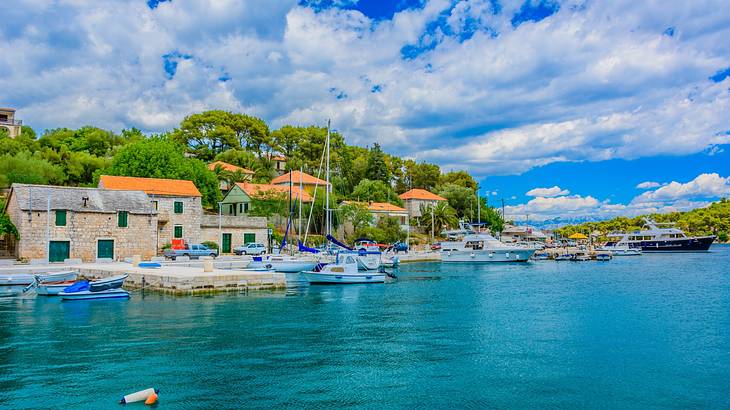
(413, 206)
(236, 226)
(190, 219)
(82, 230)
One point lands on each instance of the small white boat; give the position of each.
(540, 256)
(345, 272)
(621, 250)
(102, 294)
(603, 256)
(581, 257)
(16, 284)
(564, 257)
(282, 263)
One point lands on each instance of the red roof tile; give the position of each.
(418, 193)
(152, 186)
(228, 167)
(295, 176)
(254, 190)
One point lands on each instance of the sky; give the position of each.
(575, 110)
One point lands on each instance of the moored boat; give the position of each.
(88, 295)
(345, 272)
(603, 256)
(660, 237)
(483, 247)
(564, 257)
(112, 282)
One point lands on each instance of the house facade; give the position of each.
(58, 223)
(416, 199)
(177, 202)
(8, 121)
(308, 182)
(247, 174)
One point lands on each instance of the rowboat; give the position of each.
(112, 282)
(16, 284)
(102, 294)
(342, 273)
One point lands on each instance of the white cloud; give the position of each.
(672, 197)
(579, 85)
(703, 186)
(547, 192)
(648, 185)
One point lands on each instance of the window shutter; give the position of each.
(122, 219)
(60, 217)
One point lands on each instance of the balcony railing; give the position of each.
(10, 122)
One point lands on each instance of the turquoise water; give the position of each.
(636, 332)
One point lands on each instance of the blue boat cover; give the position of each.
(303, 248)
(258, 259)
(79, 286)
(338, 243)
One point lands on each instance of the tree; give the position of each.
(377, 169)
(459, 178)
(26, 168)
(386, 230)
(209, 133)
(462, 199)
(441, 217)
(7, 226)
(375, 191)
(358, 214)
(157, 157)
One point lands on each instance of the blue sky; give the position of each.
(560, 107)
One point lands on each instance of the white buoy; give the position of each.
(138, 396)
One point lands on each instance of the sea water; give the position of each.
(637, 332)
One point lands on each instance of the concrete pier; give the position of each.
(174, 278)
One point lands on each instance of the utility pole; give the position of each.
(48, 227)
(433, 224)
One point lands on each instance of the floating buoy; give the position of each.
(152, 399)
(139, 396)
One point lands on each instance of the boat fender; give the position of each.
(151, 400)
(472, 255)
(139, 396)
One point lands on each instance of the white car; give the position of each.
(251, 249)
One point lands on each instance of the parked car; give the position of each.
(250, 249)
(436, 247)
(400, 247)
(191, 251)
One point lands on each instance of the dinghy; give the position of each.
(107, 288)
(112, 282)
(16, 284)
(88, 295)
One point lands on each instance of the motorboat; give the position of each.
(564, 257)
(540, 256)
(620, 250)
(390, 261)
(483, 247)
(659, 237)
(107, 288)
(282, 263)
(344, 272)
(580, 257)
(604, 256)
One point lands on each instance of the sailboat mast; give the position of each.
(290, 209)
(299, 228)
(328, 222)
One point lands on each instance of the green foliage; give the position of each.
(210, 133)
(410, 174)
(93, 140)
(461, 198)
(387, 230)
(444, 217)
(210, 244)
(722, 237)
(375, 191)
(357, 214)
(26, 168)
(459, 178)
(7, 227)
(158, 157)
(377, 169)
(318, 212)
(712, 220)
(269, 203)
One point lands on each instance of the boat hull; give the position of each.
(52, 289)
(7, 291)
(343, 278)
(697, 244)
(502, 255)
(87, 295)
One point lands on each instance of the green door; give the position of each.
(105, 248)
(249, 238)
(58, 251)
(226, 243)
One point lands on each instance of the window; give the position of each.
(178, 207)
(122, 217)
(61, 217)
(178, 232)
(249, 238)
(245, 207)
(240, 208)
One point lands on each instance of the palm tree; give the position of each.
(444, 217)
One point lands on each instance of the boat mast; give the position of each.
(328, 223)
(299, 228)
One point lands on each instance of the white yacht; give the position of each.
(344, 271)
(659, 237)
(483, 247)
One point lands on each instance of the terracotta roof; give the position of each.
(254, 190)
(152, 186)
(295, 176)
(278, 158)
(418, 193)
(7, 109)
(378, 206)
(228, 167)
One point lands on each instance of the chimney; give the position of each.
(85, 199)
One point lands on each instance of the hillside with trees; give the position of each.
(78, 157)
(712, 220)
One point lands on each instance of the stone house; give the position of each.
(8, 121)
(384, 209)
(231, 231)
(177, 202)
(417, 198)
(58, 223)
(279, 162)
(308, 182)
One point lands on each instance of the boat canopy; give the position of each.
(303, 248)
(338, 243)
